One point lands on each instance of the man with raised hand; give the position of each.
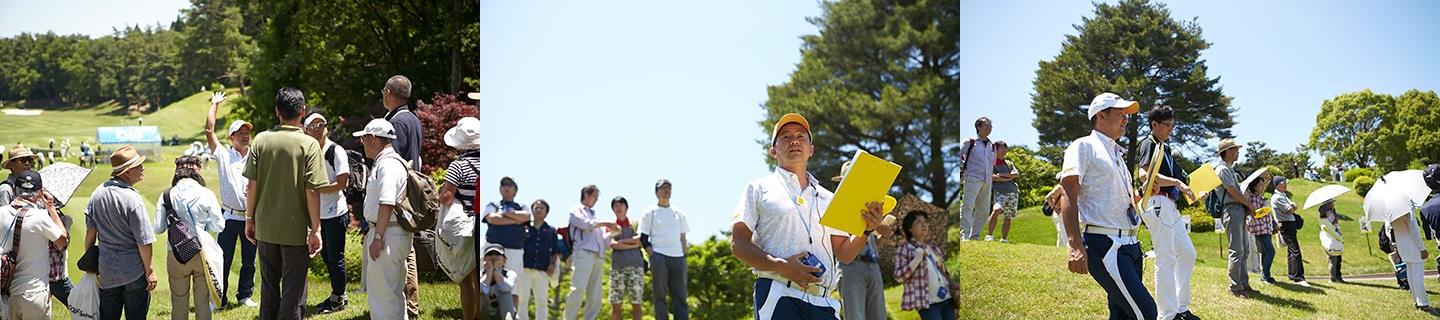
(231, 163)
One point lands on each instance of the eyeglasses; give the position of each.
(1171, 124)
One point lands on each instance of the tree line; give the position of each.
(338, 52)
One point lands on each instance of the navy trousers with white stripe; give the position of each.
(1117, 268)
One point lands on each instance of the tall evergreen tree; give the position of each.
(1135, 49)
(883, 76)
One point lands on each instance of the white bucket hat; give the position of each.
(465, 135)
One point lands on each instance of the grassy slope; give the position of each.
(1029, 279)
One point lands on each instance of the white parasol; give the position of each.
(1395, 195)
(62, 178)
(1323, 194)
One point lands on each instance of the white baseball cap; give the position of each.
(235, 125)
(1110, 100)
(379, 128)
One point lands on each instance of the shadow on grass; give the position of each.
(452, 313)
(1298, 288)
(1372, 285)
(1271, 300)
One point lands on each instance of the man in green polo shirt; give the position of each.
(284, 169)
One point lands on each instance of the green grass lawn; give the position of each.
(1028, 279)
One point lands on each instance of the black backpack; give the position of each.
(355, 190)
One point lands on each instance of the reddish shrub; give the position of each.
(438, 117)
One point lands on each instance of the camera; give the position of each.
(813, 261)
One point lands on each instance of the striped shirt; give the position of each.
(461, 174)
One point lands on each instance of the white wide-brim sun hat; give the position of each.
(465, 135)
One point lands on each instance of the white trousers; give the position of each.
(1060, 240)
(533, 283)
(385, 276)
(1174, 256)
(585, 283)
(974, 208)
(1417, 282)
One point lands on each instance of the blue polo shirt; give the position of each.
(539, 246)
(508, 236)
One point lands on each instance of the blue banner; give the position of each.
(128, 135)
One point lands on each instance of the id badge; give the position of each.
(943, 293)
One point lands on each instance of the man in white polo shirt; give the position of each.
(1101, 224)
(662, 232)
(387, 244)
(231, 163)
(776, 229)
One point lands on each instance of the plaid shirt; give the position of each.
(57, 256)
(57, 262)
(1263, 225)
(916, 280)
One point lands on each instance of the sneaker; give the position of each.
(1303, 283)
(1269, 280)
(1240, 293)
(989, 238)
(1187, 316)
(1426, 309)
(1004, 241)
(249, 303)
(330, 305)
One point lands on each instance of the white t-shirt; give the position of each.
(665, 225)
(333, 204)
(936, 279)
(232, 183)
(783, 226)
(33, 268)
(385, 186)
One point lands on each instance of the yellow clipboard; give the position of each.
(867, 181)
(1203, 179)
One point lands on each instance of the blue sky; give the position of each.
(622, 93)
(1279, 59)
(88, 17)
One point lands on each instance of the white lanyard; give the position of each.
(800, 207)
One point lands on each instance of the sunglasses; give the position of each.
(507, 184)
(26, 160)
(315, 126)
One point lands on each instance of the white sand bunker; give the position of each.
(23, 112)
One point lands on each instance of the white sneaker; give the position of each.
(1004, 241)
(1304, 284)
(249, 303)
(989, 238)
